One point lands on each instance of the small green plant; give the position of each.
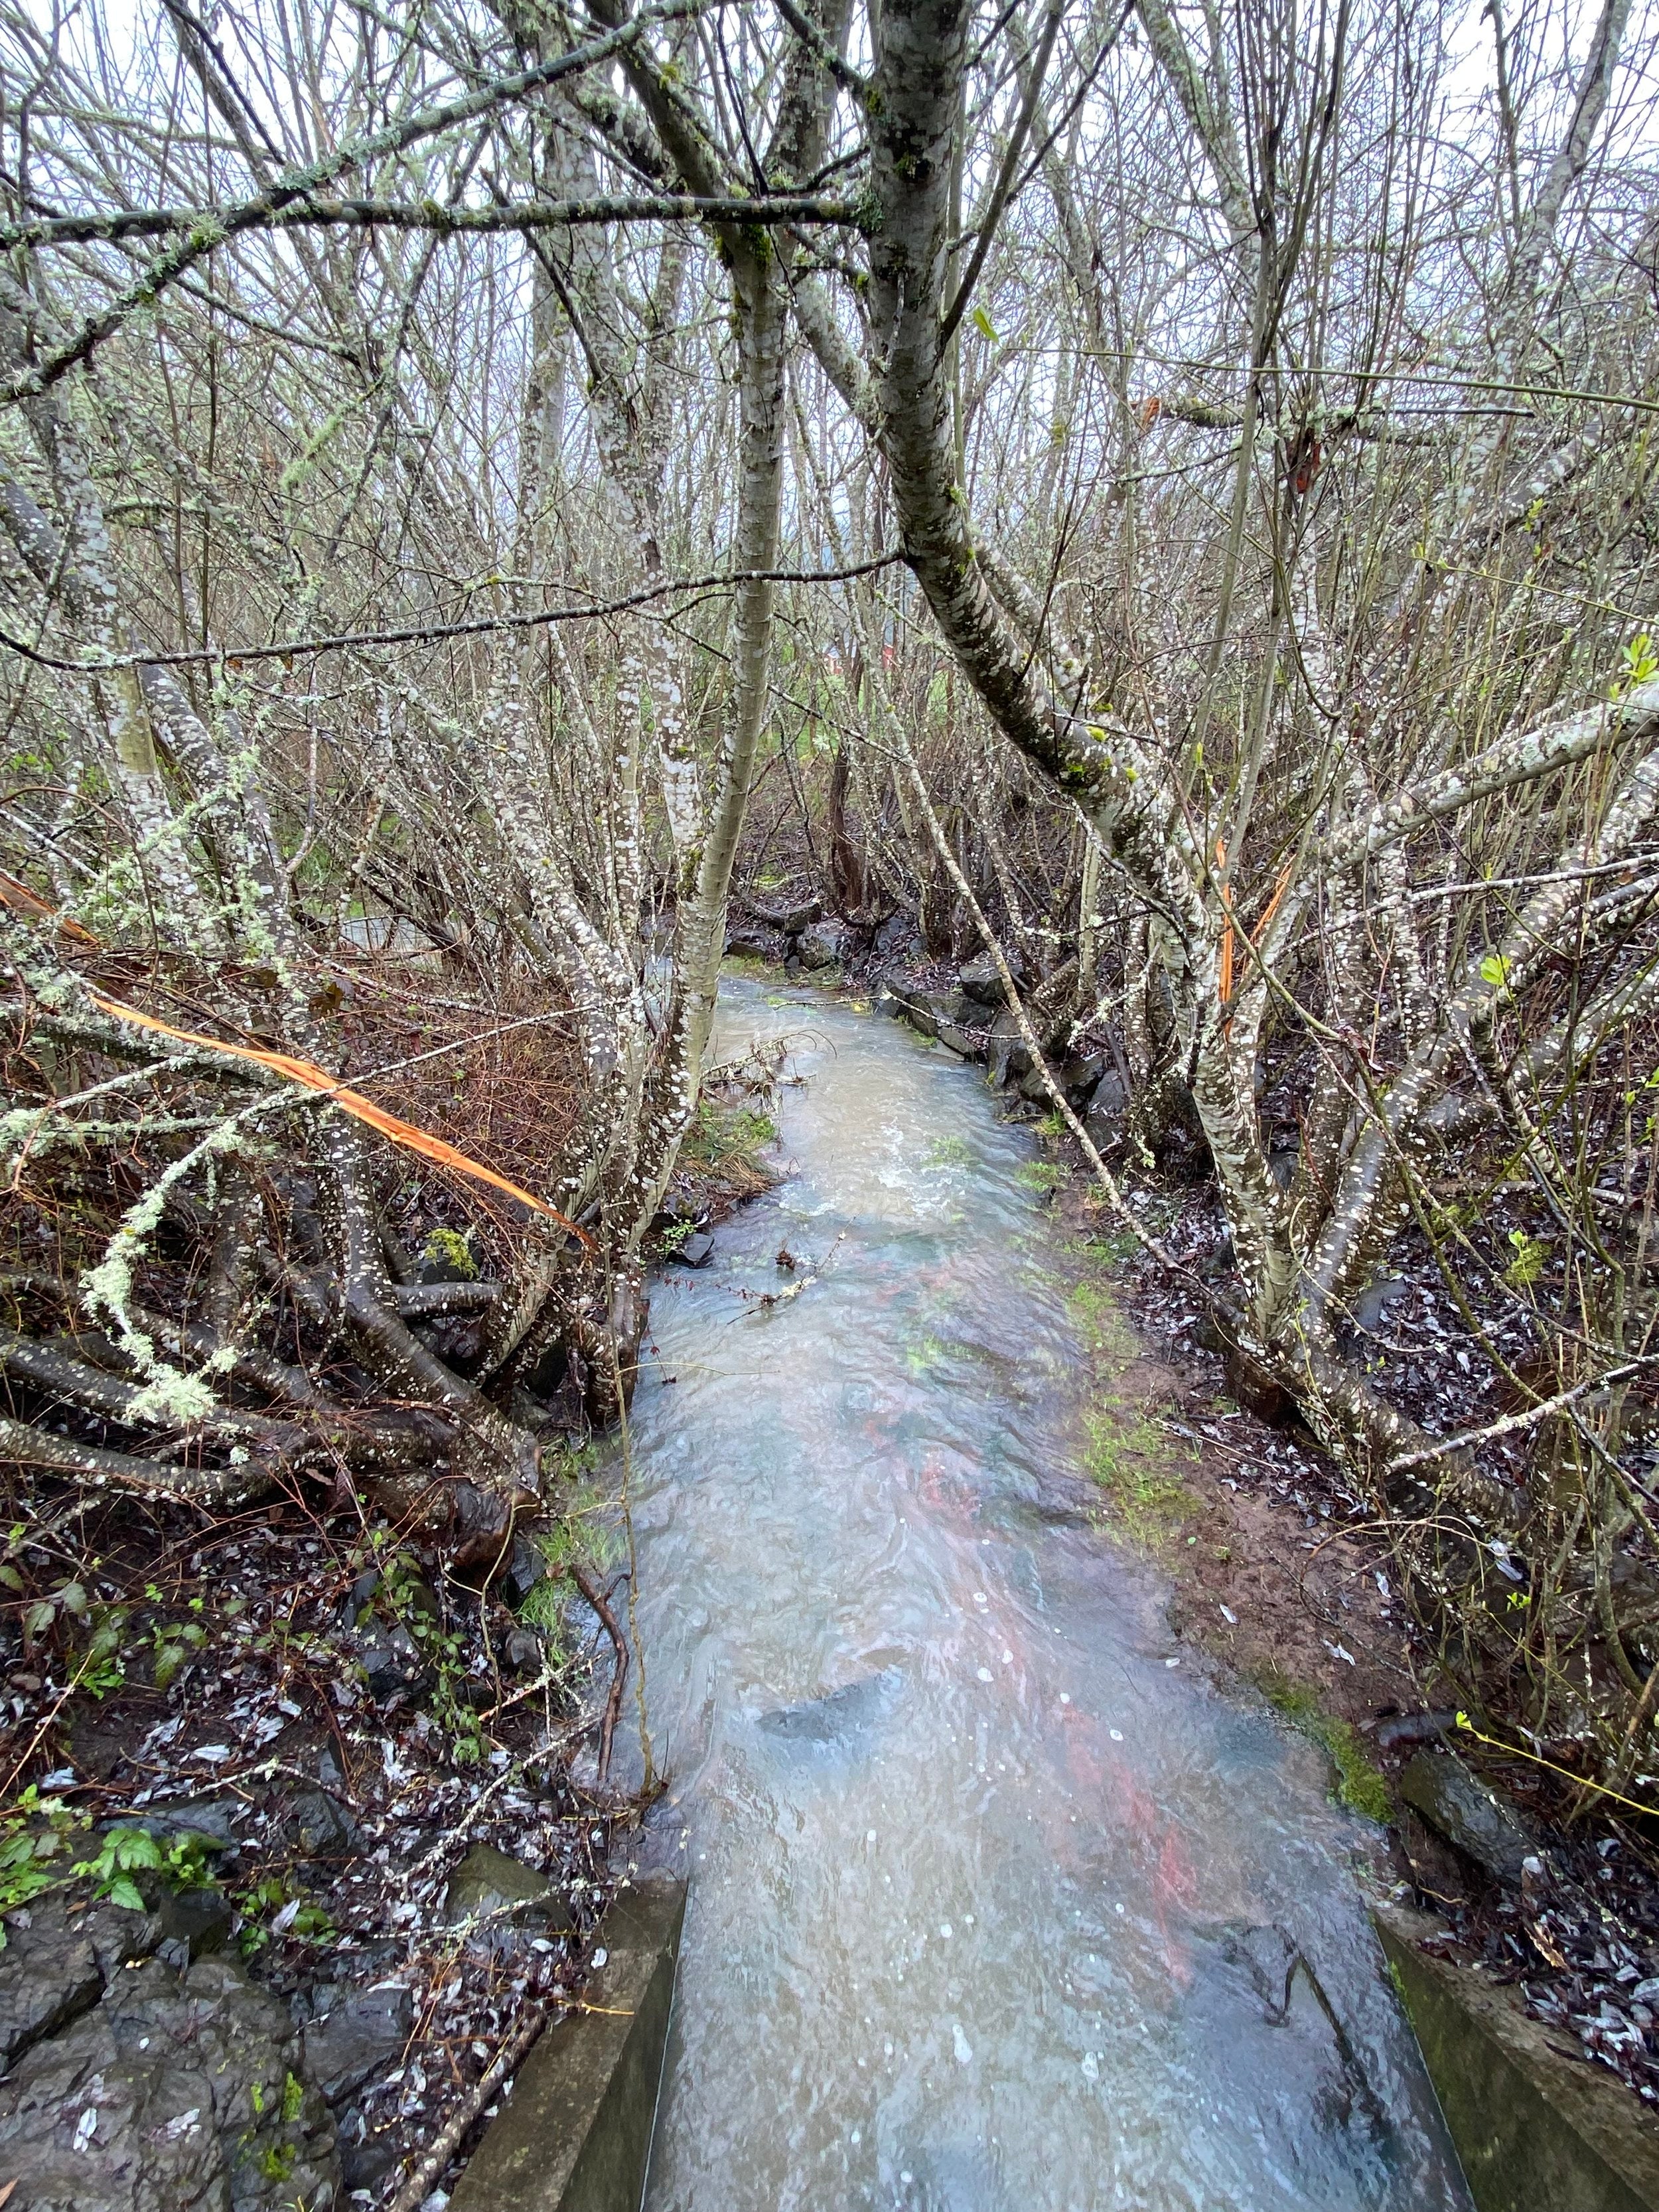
(1360, 1784)
(125, 1852)
(1100, 1320)
(411, 1602)
(1531, 1255)
(173, 1644)
(1040, 1175)
(32, 1835)
(719, 1134)
(1637, 663)
(948, 1153)
(675, 1236)
(263, 1901)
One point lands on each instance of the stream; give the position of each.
(998, 1903)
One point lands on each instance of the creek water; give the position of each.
(997, 1901)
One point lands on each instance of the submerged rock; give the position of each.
(696, 1251)
(1459, 1806)
(838, 1713)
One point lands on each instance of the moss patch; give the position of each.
(1133, 1460)
(1360, 1785)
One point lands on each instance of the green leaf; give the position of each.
(124, 1892)
(984, 325)
(1495, 970)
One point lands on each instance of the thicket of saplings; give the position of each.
(1171, 499)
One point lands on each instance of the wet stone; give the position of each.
(1457, 1805)
(486, 1880)
(1370, 1308)
(981, 979)
(361, 2034)
(49, 1974)
(524, 1570)
(522, 1650)
(696, 1251)
(825, 944)
(207, 1821)
(172, 2091)
(191, 1922)
(322, 1826)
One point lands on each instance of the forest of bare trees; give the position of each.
(1172, 487)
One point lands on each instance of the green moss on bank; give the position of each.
(1360, 1785)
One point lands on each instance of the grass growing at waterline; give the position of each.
(1360, 1785)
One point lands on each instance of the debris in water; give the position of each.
(964, 2050)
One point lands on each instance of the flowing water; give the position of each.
(996, 1901)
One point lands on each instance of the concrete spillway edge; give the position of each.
(1537, 2128)
(575, 2135)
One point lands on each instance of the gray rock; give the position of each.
(171, 2092)
(1370, 1308)
(980, 980)
(790, 918)
(524, 1570)
(390, 1659)
(49, 1974)
(968, 1044)
(1005, 1051)
(1466, 1811)
(190, 1921)
(1111, 1096)
(522, 1649)
(361, 2034)
(896, 935)
(486, 1879)
(205, 1820)
(322, 1826)
(1081, 1074)
(750, 940)
(825, 944)
(696, 1251)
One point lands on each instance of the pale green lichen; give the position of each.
(168, 1395)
